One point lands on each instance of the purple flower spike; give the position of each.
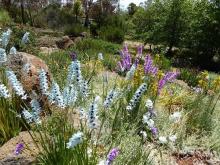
(147, 64)
(140, 49)
(169, 77)
(19, 148)
(112, 155)
(73, 56)
(154, 131)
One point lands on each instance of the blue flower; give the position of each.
(75, 140)
(137, 96)
(5, 38)
(3, 56)
(16, 84)
(55, 95)
(92, 114)
(4, 91)
(43, 82)
(13, 51)
(25, 38)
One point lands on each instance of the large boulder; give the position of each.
(64, 43)
(27, 69)
(26, 157)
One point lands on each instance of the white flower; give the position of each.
(75, 140)
(13, 51)
(92, 114)
(144, 134)
(5, 38)
(102, 162)
(55, 96)
(89, 152)
(43, 82)
(175, 117)
(150, 123)
(109, 99)
(100, 56)
(3, 55)
(16, 84)
(172, 138)
(137, 96)
(28, 116)
(149, 104)
(25, 38)
(26, 68)
(162, 139)
(4, 91)
(130, 73)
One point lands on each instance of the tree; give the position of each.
(132, 8)
(77, 8)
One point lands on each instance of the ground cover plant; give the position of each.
(136, 113)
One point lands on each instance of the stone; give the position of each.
(28, 154)
(48, 50)
(64, 43)
(28, 76)
(77, 39)
(84, 34)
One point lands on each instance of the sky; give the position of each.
(125, 3)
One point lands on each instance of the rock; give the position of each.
(77, 39)
(64, 43)
(29, 76)
(84, 34)
(48, 51)
(47, 41)
(28, 154)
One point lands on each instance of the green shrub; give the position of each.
(98, 45)
(112, 34)
(74, 30)
(5, 19)
(190, 76)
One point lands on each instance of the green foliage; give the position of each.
(10, 123)
(185, 24)
(5, 19)
(74, 30)
(190, 76)
(112, 34)
(53, 138)
(98, 45)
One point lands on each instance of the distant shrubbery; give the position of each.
(5, 19)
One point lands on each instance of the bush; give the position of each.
(74, 30)
(112, 34)
(98, 45)
(5, 19)
(189, 76)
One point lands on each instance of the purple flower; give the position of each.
(154, 131)
(154, 70)
(112, 155)
(19, 148)
(169, 77)
(147, 64)
(73, 56)
(140, 49)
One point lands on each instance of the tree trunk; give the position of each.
(22, 12)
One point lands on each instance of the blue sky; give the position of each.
(125, 3)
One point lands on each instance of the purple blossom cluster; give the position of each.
(126, 62)
(19, 148)
(169, 76)
(149, 68)
(112, 156)
(126, 59)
